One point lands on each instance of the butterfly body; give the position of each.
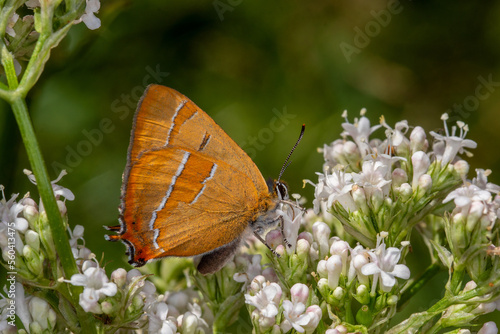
(188, 188)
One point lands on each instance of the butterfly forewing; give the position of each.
(167, 117)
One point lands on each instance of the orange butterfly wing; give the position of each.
(167, 117)
(185, 203)
(188, 188)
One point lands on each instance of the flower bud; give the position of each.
(488, 328)
(341, 248)
(333, 331)
(485, 308)
(189, 323)
(109, 306)
(334, 268)
(299, 293)
(35, 328)
(306, 236)
(321, 233)
(334, 152)
(276, 329)
(137, 304)
(418, 141)
(32, 239)
(321, 269)
(424, 185)
(257, 283)
(351, 152)
(338, 293)
(362, 294)
(462, 168)
(119, 277)
(471, 285)
(399, 177)
(303, 249)
(324, 289)
(34, 260)
(392, 300)
(475, 212)
(457, 232)
(405, 192)
(30, 212)
(46, 236)
(62, 207)
(421, 163)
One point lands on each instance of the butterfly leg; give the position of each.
(257, 235)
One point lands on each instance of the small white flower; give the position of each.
(96, 285)
(360, 131)
(464, 196)
(91, 21)
(481, 181)
(397, 135)
(75, 235)
(333, 187)
(315, 314)
(372, 177)
(266, 300)
(295, 316)
(160, 321)
(453, 144)
(359, 257)
(9, 213)
(58, 190)
(384, 265)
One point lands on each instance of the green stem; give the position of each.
(418, 284)
(9, 68)
(56, 223)
(457, 278)
(58, 229)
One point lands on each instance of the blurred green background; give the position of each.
(245, 61)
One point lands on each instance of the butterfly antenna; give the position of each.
(286, 164)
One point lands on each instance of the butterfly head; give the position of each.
(281, 189)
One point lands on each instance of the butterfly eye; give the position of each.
(282, 190)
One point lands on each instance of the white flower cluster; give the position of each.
(268, 301)
(365, 181)
(170, 313)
